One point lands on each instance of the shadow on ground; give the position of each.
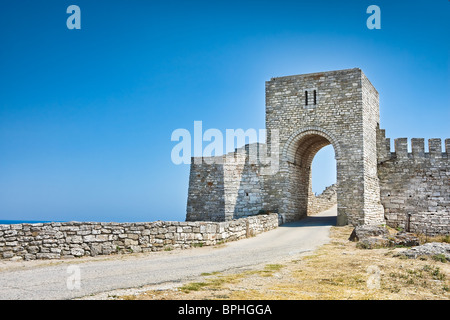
(311, 221)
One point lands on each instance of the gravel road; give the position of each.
(42, 280)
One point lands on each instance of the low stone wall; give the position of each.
(76, 239)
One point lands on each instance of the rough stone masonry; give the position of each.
(403, 189)
(76, 239)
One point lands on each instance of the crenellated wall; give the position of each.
(415, 186)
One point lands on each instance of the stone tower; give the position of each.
(311, 111)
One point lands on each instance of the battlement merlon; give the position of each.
(383, 145)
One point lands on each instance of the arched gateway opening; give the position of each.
(323, 173)
(299, 153)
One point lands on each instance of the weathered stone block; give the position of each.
(77, 252)
(47, 255)
(130, 242)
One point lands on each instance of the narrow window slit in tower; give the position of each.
(315, 97)
(306, 98)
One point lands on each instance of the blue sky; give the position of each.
(86, 116)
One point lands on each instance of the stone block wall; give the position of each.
(206, 195)
(415, 186)
(225, 187)
(77, 239)
(373, 209)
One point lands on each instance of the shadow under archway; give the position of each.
(325, 218)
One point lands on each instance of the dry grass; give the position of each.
(336, 271)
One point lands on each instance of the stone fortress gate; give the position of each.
(304, 113)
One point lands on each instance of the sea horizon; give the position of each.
(8, 222)
(25, 221)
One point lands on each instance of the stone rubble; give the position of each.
(429, 249)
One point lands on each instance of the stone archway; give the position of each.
(298, 154)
